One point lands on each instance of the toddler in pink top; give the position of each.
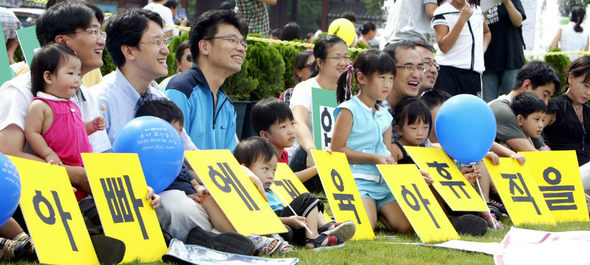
(54, 126)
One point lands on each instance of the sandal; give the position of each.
(500, 207)
(492, 218)
(263, 245)
(344, 231)
(285, 248)
(333, 242)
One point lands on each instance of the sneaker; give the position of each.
(344, 230)
(230, 242)
(469, 224)
(13, 250)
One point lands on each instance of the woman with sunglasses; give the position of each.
(184, 61)
(301, 72)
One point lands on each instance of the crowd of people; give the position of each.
(387, 99)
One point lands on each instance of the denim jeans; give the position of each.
(496, 83)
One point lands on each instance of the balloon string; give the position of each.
(288, 205)
(472, 164)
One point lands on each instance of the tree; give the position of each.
(566, 5)
(375, 6)
(308, 15)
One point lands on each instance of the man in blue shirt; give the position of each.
(218, 47)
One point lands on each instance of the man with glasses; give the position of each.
(72, 24)
(218, 48)
(140, 53)
(408, 77)
(426, 52)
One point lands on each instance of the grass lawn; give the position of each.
(383, 249)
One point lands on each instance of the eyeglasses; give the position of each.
(235, 40)
(410, 67)
(96, 33)
(430, 64)
(339, 58)
(157, 42)
(189, 57)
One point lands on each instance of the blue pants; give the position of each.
(496, 83)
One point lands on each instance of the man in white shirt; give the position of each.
(86, 39)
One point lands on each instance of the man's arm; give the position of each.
(520, 144)
(12, 142)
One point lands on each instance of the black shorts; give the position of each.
(458, 81)
(302, 205)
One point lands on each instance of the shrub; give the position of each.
(559, 62)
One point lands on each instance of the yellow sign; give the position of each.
(450, 183)
(289, 186)
(418, 203)
(234, 192)
(519, 192)
(120, 192)
(340, 188)
(558, 176)
(52, 214)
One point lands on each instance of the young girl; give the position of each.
(361, 131)
(310, 228)
(413, 125)
(54, 126)
(462, 37)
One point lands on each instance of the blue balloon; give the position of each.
(9, 188)
(466, 128)
(159, 147)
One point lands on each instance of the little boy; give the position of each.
(304, 213)
(273, 120)
(530, 114)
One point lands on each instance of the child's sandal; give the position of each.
(492, 218)
(333, 242)
(263, 245)
(285, 248)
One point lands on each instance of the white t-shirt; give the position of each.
(406, 16)
(166, 15)
(302, 97)
(467, 53)
(572, 40)
(16, 96)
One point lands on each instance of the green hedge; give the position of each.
(559, 62)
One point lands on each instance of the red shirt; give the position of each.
(284, 157)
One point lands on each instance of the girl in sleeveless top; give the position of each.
(54, 126)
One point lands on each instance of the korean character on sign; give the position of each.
(441, 168)
(39, 200)
(118, 198)
(345, 201)
(228, 181)
(414, 199)
(558, 197)
(523, 192)
(289, 187)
